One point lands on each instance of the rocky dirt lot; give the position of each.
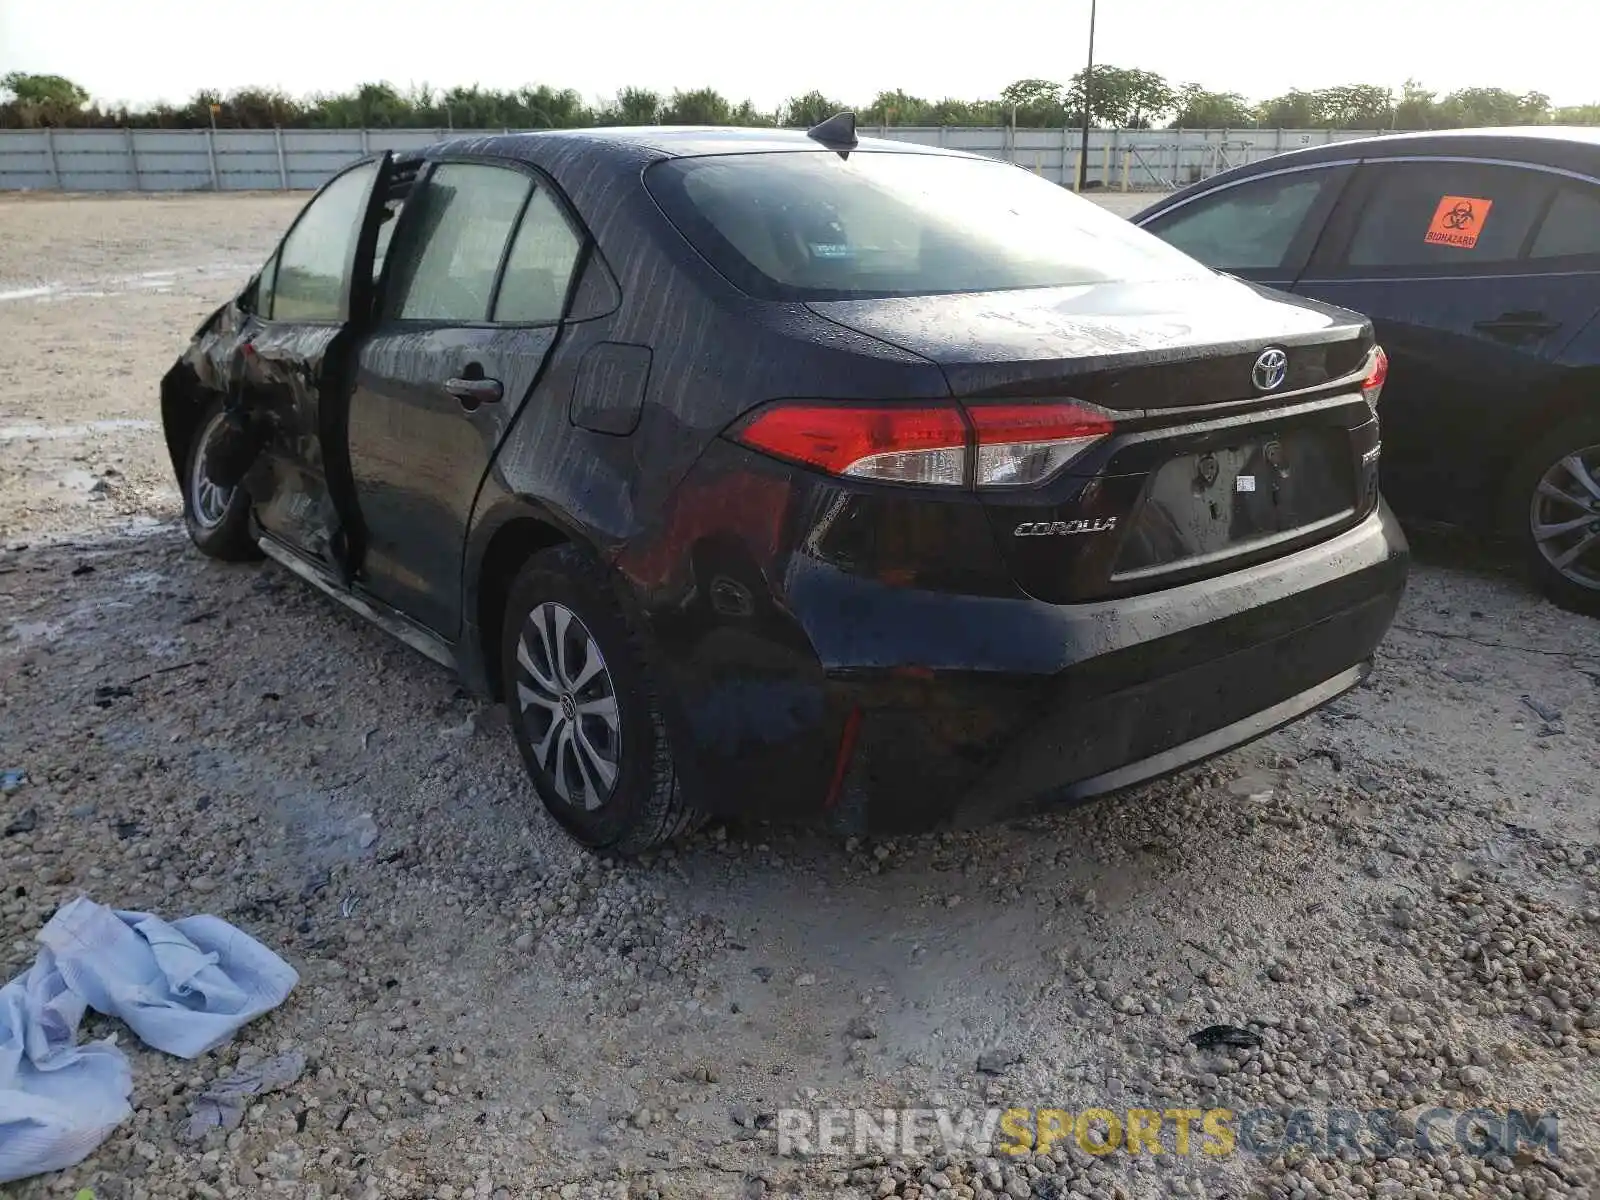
(1396, 902)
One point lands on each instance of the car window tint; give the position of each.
(1572, 226)
(1449, 215)
(540, 267)
(1249, 225)
(447, 271)
(804, 225)
(316, 254)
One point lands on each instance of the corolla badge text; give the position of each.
(1065, 528)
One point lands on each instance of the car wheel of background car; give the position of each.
(584, 710)
(218, 518)
(1554, 497)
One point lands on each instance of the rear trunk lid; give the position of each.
(1206, 470)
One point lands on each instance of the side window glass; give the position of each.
(447, 271)
(1447, 215)
(265, 282)
(1250, 225)
(310, 280)
(540, 267)
(1572, 226)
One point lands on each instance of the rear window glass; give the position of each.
(1571, 227)
(811, 225)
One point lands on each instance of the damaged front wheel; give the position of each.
(217, 517)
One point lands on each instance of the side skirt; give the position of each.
(419, 639)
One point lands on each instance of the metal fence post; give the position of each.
(1066, 152)
(365, 150)
(211, 157)
(283, 163)
(50, 149)
(133, 160)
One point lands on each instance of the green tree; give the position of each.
(898, 108)
(1200, 109)
(632, 106)
(1417, 108)
(1123, 98)
(1293, 110)
(1577, 114)
(1355, 106)
(1035, 103)
(746, 113)
(1472, 107)
(43, 99)
(702, 106)
(802, 112)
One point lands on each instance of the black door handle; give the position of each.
(473, 392)
(1524, 324)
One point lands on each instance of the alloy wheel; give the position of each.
(1564, 517)
(568, 703)
(209, 500)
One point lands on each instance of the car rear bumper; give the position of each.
(927, 707)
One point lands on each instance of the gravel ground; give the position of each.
(1397, 900)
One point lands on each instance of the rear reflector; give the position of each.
(1010, 445)
(1377, 372)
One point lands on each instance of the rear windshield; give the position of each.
(810, 225)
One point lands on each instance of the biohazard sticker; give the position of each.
(1458, 221)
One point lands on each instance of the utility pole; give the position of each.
(1088, 101)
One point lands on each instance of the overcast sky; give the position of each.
(167, 49)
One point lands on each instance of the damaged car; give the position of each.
(798, 474)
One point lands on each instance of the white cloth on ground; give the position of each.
(184, 988)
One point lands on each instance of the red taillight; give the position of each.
(906, 443)
(1014, 444)
(1377, 372)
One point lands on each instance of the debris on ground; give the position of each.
(1230, 1036)
(184, 988)
(222, 1105)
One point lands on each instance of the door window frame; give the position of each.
(347, 284)
(1305, 240)
(399, 249)
(1327, 262)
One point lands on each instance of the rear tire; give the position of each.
(585, 711)
(1553, 509)
(218, 518)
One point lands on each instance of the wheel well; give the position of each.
(1578, 395)
(512, 545)
(183, 399)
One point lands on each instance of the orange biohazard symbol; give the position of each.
(1458, 221)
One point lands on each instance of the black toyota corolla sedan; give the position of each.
(787, 473)
(1477, 255)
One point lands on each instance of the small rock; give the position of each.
(805, 980)
(743, 1116)
(996, 1059)
(862, 1027)
(25, 821)
(1473, 1078)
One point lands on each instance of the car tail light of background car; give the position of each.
(946, 445)
(1377, 372)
